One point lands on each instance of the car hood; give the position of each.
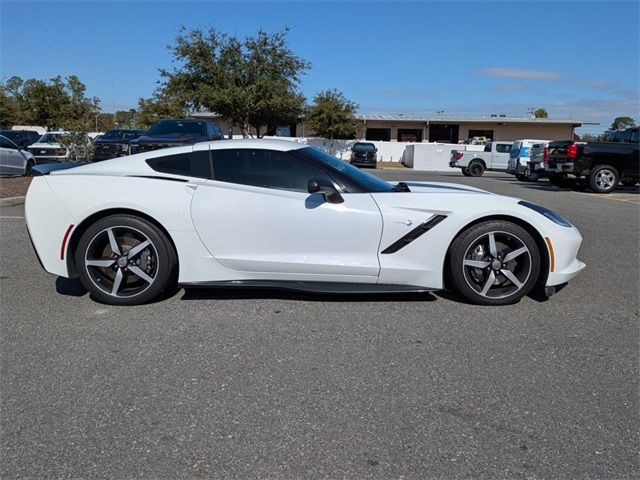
(441, 187)
(45, 145)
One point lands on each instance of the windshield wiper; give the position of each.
(401, 187)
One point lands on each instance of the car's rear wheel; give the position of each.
(476, 169)
(125, 260)
(604, 179)
(494, 263)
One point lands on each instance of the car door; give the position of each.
(500, 157)
(257, 217)
(12, 162)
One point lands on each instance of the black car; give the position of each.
(22, 138)
(172, 133)
(114, 143)
(364, 154)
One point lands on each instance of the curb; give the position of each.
(11, 201)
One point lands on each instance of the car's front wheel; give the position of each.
(494, 263)
(125, 260)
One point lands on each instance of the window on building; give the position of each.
(481, 133)
(409, 134)
(444, 133)
(383, 134)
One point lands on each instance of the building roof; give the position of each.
(400, 117)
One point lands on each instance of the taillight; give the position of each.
(572, 151)
(545, 155)
(459, 155)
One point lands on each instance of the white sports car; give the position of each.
(280, 214)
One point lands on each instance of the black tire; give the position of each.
(476, 169)
(157, 261)
(475, 282)
(630, 182)
(465, 172)
(531, 176)
(603, 179)
(29, 166)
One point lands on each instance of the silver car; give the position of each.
(13, 159)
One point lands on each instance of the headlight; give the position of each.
(551, 215)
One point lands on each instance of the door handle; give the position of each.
(408, 223)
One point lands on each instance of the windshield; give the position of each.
(177, 129)
(364, 180)
(119, 135)
(364, 147)
(49, 138)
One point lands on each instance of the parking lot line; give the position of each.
(9, 216)
(611, 196)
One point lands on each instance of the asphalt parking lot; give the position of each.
(246, 384)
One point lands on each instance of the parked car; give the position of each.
(597, 165)
(22, 138)
(280, 214)
(520, 159)
(473, 164)
(14, 160)
(364, 154)
(114, 143)
(173, 133)
(49, 149)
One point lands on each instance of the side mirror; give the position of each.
(325, 187)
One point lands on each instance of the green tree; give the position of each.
(160, 105)
(540, 113)
(622, 122)
(251, 81)
(332, 115)
(11, 103)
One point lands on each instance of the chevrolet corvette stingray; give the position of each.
(281, 214)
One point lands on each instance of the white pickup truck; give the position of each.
(473, 164)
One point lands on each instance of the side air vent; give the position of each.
(413, 234)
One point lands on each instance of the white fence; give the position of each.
(419, 156)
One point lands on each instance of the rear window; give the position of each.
(364, 147)
(177, 128)
(191, 164)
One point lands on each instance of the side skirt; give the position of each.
(311, 287)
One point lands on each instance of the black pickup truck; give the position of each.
(597, 165)
(173, 133)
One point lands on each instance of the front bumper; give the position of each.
(563, 245)
(51, 158)
(363, 162)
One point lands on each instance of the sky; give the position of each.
(576, 59)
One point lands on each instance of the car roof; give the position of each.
(264, 143)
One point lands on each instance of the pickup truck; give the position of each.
(473, 164)
(597, 165)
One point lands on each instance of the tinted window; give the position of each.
(264, 168)
(487, 147)
(634, 136)
(192, 164)
(177, 128)
(6, 143)
(503, 148)
(364, 147)
(352, 177)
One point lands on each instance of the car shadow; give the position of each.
(70, 287)
(238, 293)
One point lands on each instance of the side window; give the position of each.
(264, 168)
(503, 148)
(213, 131)
(6, 143)
(192, 164)
(635, 133)
(487, 147)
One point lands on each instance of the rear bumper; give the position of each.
(566, 167)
